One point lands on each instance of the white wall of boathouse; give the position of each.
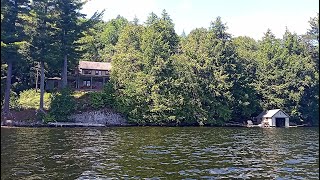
(279, 114)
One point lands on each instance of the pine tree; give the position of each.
(43, 34)
(13, 38)
(70, 30)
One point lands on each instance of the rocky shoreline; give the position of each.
(99, 118)
(94, 118)
(105, 116)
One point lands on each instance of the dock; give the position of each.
(70, 124)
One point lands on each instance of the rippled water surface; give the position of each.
(159, 153)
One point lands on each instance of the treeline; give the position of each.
(208, 77)
(159, 77)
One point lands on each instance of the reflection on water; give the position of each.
(159, 153)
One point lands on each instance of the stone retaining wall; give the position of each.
(106, 117)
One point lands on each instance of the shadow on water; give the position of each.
(159, 153)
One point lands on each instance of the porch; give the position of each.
(87, 83)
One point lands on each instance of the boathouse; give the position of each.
(273, 118)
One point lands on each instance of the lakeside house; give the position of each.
(87, 76)
(273, 118)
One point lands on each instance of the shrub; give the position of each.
(14, 103)
(97, 100)
(62, 105)
(108, 91)
(30, 99)
(40, 115)
(48, 118)
(104, 98)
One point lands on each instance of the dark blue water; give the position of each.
(159, 153)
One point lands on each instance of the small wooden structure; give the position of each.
(53, 83)
(273, 118)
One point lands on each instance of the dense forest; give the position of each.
(159, 77)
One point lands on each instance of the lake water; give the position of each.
(159, 153)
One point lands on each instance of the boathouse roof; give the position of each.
(270, 113)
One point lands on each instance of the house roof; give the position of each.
(94, 65)
(271, 113)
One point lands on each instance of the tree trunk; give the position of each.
(6, 107)
(65, 72)
(41, 86)
(37, 78)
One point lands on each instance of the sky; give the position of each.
(242, 17)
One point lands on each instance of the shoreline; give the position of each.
(109, 118)
(93, 125)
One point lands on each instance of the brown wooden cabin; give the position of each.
(88, 76)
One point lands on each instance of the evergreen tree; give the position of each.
(99, 41)
(313, 32)
(70, 30)
(285, 75)
(246, 103)
(126, 75)
(152, 18)
(13, 38)
(159, 43)
(310, 102)
(43, 34)
(135, 20)
(183, 34)
(219, 29)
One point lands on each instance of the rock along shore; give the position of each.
(96, 118)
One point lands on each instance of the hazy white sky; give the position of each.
(243, 17)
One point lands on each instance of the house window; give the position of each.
(87, 83)
(98, 73)
(86, 71)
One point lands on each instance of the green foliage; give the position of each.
(13, 36)
(14, 103)
(108, 91)
(62, 105)
(313, 32)
(209, 78)
(285, 74)
(103, 99)
(13, 39)
(3, 82)
(40, 116)
(157, 77)
(47, 118)
(30, 99)
(98, 42)
(245, 93)
(97, 100)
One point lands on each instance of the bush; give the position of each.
(48, 118)
(108, 91)
(97, 100)
(30, 99)
(14, 104)
(62, 105)
(104, 98)
(40, 115)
